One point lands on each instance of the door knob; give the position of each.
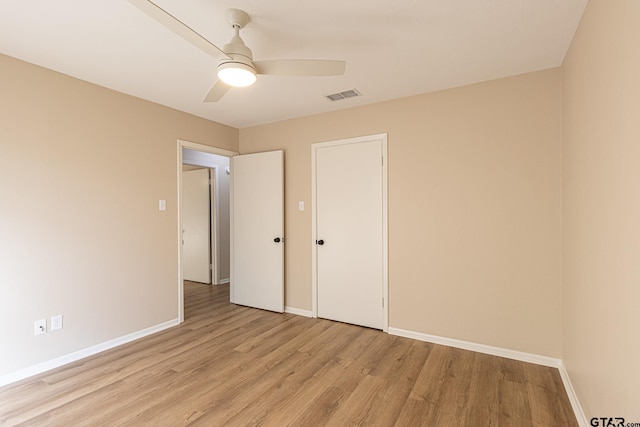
(277, 240)
(320, 242)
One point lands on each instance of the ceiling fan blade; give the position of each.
(217, 91)
(180, 28)
(301, 67)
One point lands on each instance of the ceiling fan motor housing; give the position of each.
(238, 52)
(239, 57)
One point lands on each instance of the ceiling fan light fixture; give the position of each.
(236, 74)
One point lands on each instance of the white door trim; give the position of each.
(213, 209)
(385, 220)
(197, 147)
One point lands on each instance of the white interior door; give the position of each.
(257, 230)
(196, 223)
(350, 208)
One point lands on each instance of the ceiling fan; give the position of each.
(237, 67)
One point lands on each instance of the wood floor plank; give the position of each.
(546, 400)
(414, 412)
(301, 376)
(320, 410)
(434, 372)
(515, 409)
(299, 399)
(252, 387)
(233, 365)
(359, 404)
(484, 404)
(454, 396)
(400, 378)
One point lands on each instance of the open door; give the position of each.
(257, 230)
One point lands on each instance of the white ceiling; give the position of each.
(392, 48)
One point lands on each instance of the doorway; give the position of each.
(349, 223)
(196, 156)
(199, 224)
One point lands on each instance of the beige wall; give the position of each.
(81, 171)
(601, 337)
(474, 207)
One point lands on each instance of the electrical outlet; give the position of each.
(56, 322)
(40, 326)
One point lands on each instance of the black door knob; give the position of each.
(320, 242)
(277, 240)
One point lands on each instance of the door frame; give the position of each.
(213, 227)
(385, 221)
(205, 149)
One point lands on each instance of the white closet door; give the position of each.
(350, 230)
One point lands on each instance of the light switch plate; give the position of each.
(162, 205)
(56, 322)
(300, 205)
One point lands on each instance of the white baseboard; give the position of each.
(573, 397)
(81, 354)
(298, 311)
(224, 281)
(480, 348)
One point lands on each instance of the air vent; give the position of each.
(343, 95)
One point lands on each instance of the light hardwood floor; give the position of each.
(237, 366)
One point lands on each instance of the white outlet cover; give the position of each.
(40, 326)
(56, 322)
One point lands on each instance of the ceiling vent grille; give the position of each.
(343, 95)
